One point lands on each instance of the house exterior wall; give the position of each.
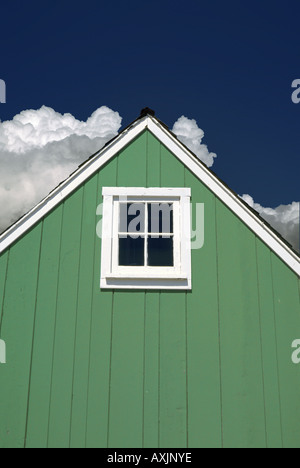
(209, 367)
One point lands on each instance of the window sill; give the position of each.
(148, 276)
(176, 282)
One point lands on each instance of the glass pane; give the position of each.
(132, 217)
(160, 251)
(160, 217)
(131, 251)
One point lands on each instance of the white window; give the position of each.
(146, 241)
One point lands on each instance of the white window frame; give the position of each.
(114, 276)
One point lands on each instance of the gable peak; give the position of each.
(147, 111)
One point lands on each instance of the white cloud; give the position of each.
(188, 132)
(36, 128)
(284, 219)
(40, 148)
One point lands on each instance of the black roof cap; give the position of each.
(147, 111)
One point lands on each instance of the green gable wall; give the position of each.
(209, 367)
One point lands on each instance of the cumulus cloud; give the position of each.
(284, 219)
(41, 148)
(188, 132)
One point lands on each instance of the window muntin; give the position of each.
(146, 234)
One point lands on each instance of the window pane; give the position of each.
(132, 217)
(131, 251)
(160, 251)
(160, 217)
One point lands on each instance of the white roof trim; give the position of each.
(184, 155)
(227, 196)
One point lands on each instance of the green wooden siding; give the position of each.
(209, 367)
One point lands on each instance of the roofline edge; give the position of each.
(205, 175)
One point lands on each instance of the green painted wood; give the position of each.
(152, 323)
(241, 360)
(153, 161)
(151, 371)
(173, 341)
(17, 331)
(127, 365)
(173, 369)
(3, 274)
(65, 327)
(100, 337)
(127, 358)
(269, 347)
(132, 163)
(83, 313)
(209, 367)
(204, 383)
(172, 171)
(287, 313)
(99, 373)
(41, 372)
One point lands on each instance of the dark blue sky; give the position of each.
(229, 65)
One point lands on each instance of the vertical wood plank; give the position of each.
(40, 383)
(17, 332)
(153, 161)
(127, 360)
(204, 383)
(172, 171)
(63, 354)
(3, 274)
(173, 341)
(132, 163)
(100, 337)
(151, 356)
(269, 347)
(83, 313)
(287, 313)
(173, 388)
(151, 371)
(127, 380)
(242, 381)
